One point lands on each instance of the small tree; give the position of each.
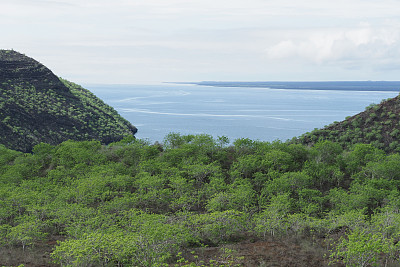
(26, 232)
(362, 248)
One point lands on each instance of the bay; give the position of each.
(236, 112)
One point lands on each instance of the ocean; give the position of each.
(258, 113)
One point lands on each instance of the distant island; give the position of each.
(329, 85)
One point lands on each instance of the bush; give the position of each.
(218, 227)
(362, 248)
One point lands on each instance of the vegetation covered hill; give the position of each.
(378, 125)
(132, 203)
(37, 106)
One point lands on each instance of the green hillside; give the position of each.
(378, 125)
(37, 106)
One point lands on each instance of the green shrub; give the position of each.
(362, 248)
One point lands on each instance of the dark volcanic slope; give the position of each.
(378, 125)
(36, 106)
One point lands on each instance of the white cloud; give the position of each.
(328, 46)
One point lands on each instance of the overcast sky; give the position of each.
(131, 41)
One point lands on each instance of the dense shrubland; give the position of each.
(133, 203)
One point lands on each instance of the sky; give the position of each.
(152, 41)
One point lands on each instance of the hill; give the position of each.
(378, 125)
(37, 106)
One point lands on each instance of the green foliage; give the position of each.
(326, 152)
(132, 203)
(239, 196)
(289, 182)
(362, 248)
(218, 227)
(273, 219)
(70, 153)
(26, 232)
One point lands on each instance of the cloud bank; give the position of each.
(126, 41)
(352, 46)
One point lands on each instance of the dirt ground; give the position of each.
(260, 253)
(293, 253)
(39, 256)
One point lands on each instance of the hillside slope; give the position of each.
(36, 106)
(378, 125)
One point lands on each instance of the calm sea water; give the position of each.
(255, 113)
